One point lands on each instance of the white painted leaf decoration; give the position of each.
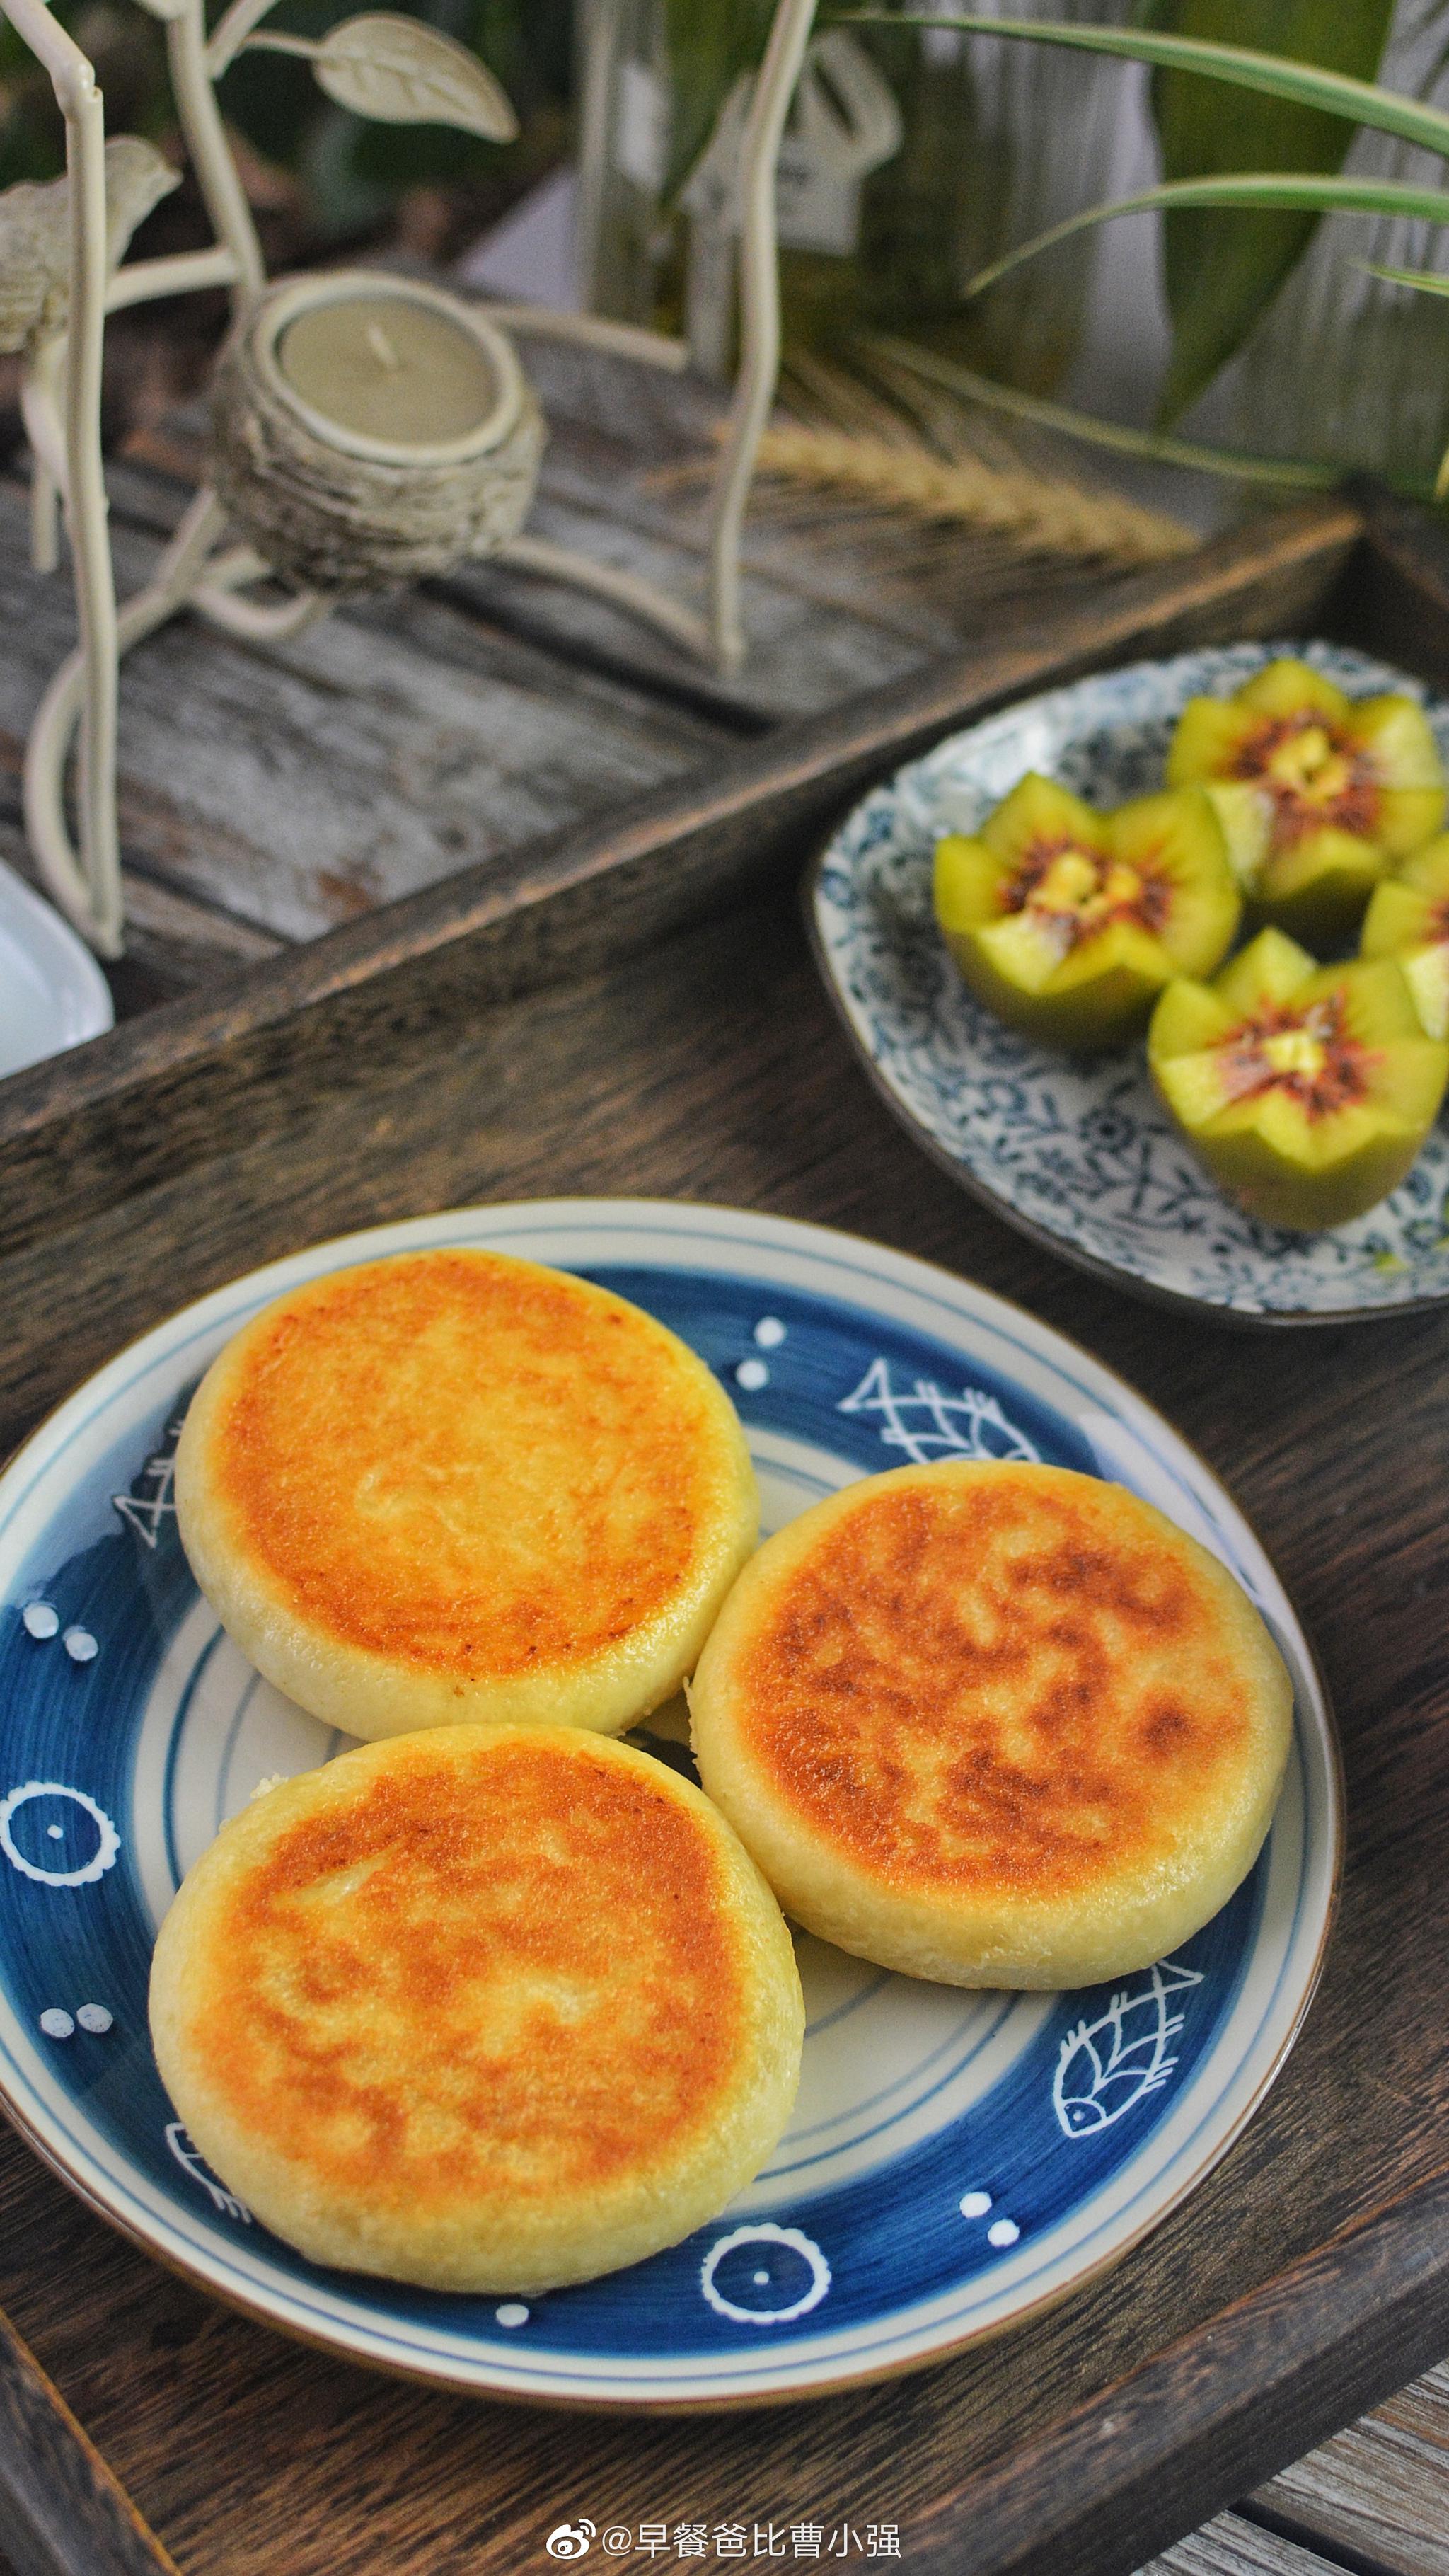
(402, 73)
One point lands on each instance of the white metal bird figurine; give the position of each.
(35, 237)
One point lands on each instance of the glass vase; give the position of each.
(913, 156)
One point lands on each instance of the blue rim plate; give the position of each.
(1079, 1153)
(956, 2162)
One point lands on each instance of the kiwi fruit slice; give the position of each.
(1068, 923)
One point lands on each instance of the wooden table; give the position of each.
(1309, 2276)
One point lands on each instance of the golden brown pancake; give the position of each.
(1000, 1725)
(490, 2008)
(454, 1486)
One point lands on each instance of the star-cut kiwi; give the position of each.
(1318, 793)
(1306, 1089)
(1408, 918)
(1068, 923)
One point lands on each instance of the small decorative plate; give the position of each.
(52, 992)
(1079, 1154)
(957, 2160)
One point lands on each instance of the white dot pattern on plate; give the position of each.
(39, 1620)
(94, 2017)
(975, 2204)
(80, 1645)
(769, 1332)
(752, 1375)
(800, 2294)
(512, 2313)
(55, 2023)
(108, 1841)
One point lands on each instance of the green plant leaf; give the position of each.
(1362, 102)
(1429, 281)
(1221, 273)
(1283, 473)
(1270, 188)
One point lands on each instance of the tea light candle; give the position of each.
(389, 368)
(371, 429)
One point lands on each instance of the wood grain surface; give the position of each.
(836, 599)
(62, 2513)
(1270, 2309)
(1378, 2491)
(303, 784)
(81, 1132)
(1228, 2546)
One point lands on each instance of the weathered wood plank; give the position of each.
(191, 942)
(1228, 2546)
(297, 785)
(621, 444)
(805, 652)
(836, 599)
(1379, 2490)
(83, 1132)
(61, 2511)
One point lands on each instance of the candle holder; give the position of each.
(336, 505)
(323, 461)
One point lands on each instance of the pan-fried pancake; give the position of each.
(489, 2008)
(453, 1486)
(999, 1725)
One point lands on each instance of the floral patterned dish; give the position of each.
(1080, 1154)
(956, 2160)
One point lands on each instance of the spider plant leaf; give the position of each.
(1362, 102)
(1429, 281)
(1285, 473)
(1221, 273)
(1270, 188)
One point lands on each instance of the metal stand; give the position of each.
(61, 398)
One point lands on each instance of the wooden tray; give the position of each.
(129, 1105)
(665, 1034)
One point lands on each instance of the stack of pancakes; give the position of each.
(495, 2003)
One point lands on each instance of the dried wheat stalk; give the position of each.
(897, 447)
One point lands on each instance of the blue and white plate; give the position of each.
(956, 2161)
(1080, 1154)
